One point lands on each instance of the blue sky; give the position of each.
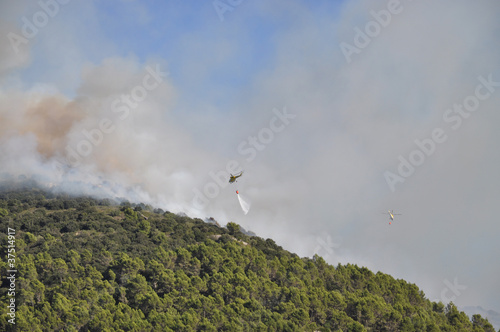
(187, 35)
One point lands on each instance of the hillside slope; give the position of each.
(91, 265)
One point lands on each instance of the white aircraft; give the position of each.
(391, 214)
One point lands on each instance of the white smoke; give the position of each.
(245, 206)
(115, 137)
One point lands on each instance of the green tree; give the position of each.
(89, 265)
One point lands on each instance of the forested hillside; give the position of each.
(94, 265)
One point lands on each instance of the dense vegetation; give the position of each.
(93, 265)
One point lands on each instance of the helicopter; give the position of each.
(233, 178)
(391, 214)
